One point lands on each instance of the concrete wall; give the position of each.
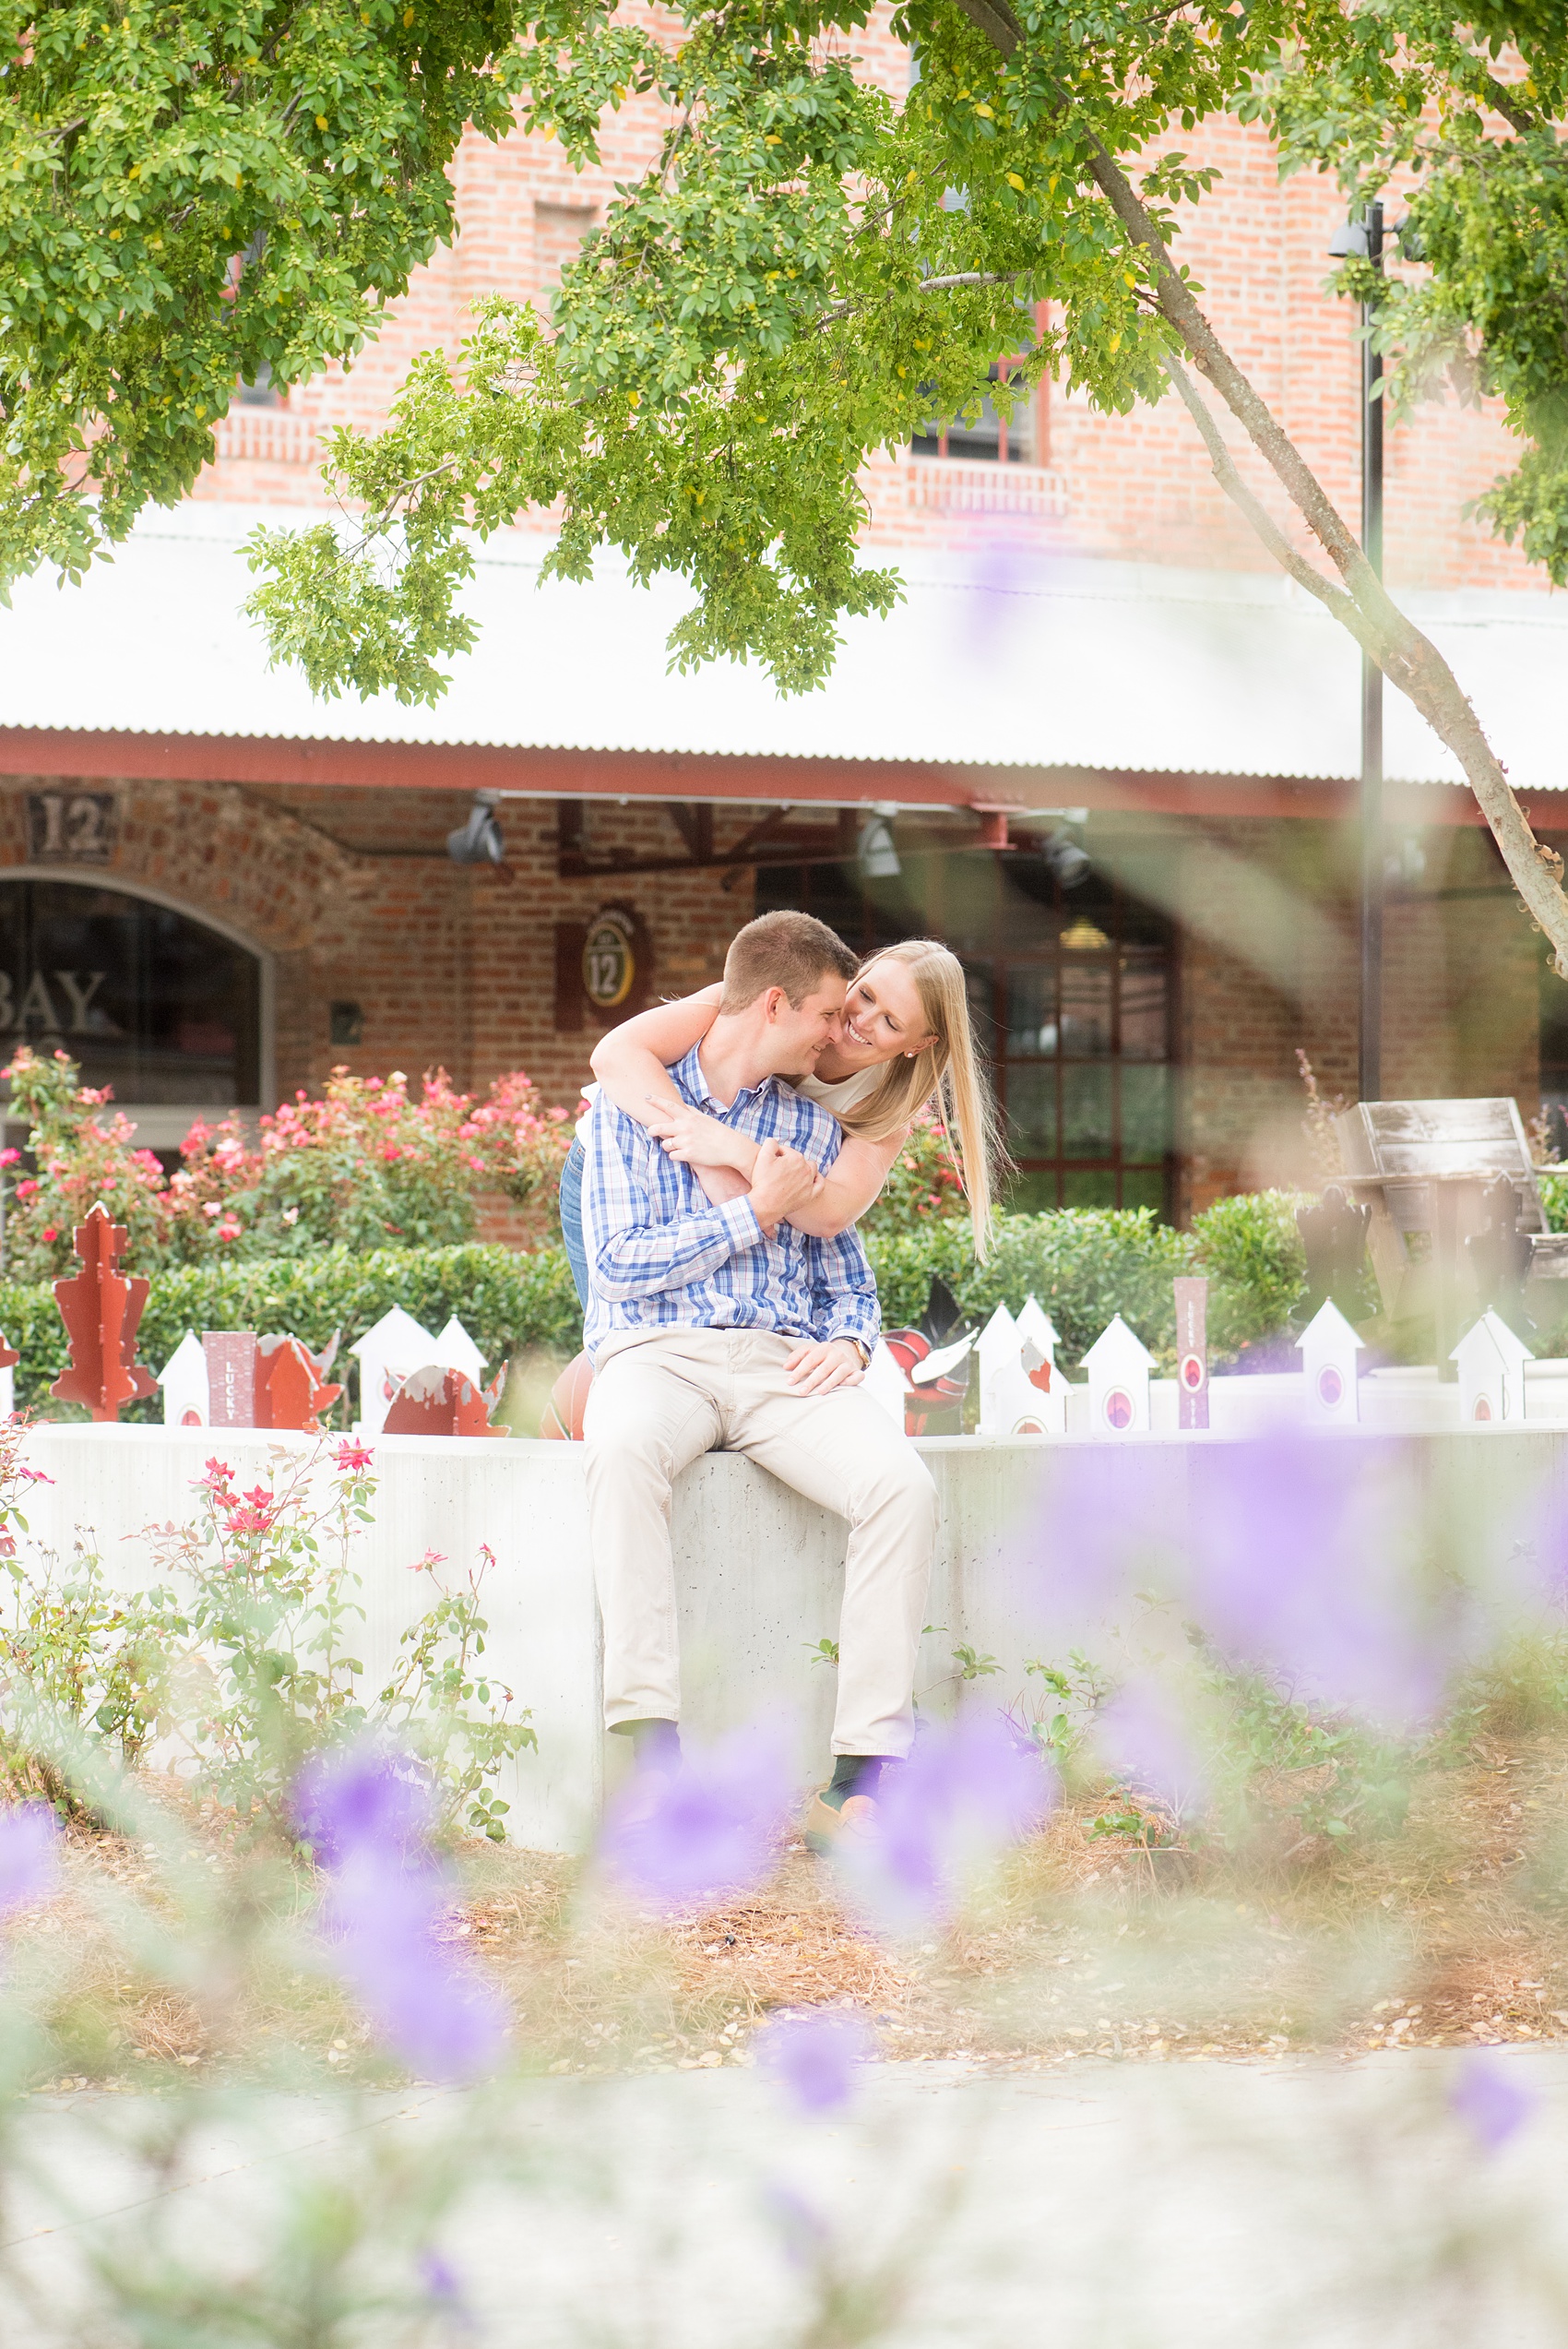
(1026, 1530)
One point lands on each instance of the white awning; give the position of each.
(996, 658)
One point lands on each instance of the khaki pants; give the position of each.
(657, 1403)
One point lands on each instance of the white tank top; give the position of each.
(847, 1093)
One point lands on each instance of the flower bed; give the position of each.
(365, 1167)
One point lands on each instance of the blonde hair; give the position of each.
(947, 1072)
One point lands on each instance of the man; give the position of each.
(722, 1327)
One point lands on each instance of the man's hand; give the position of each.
(816, 1367)
(781, 1181)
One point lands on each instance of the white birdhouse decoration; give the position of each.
(884, 1382)
(1119, 1365)
(1491, 1371)
(183, 1381)
(1328, 1347)
(454, 1350)
(1036, 1329)
(995, 1349)
(391, 1351)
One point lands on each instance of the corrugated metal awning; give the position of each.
(997, 660)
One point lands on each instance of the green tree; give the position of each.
(808, 273)
(190, 195)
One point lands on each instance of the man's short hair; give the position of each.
(789, 951)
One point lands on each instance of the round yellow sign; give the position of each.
(609, 964)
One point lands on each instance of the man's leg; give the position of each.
(843, 1450)
(650, 1411)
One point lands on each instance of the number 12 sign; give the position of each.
(609, 961)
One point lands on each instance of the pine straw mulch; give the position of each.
(1453, 1931)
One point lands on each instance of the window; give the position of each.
(260, 392)
(989, 440)
(147, 1000)
(1080, 1041)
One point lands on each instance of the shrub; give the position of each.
(1257, 1268)
(1085, 1263)
(1553, 1184)
(505, 1300)
(364, 1166)
(923, 1186)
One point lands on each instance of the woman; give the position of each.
(903, 1038)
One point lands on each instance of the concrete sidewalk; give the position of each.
(1235, 2207)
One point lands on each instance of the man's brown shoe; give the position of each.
(826, 1829)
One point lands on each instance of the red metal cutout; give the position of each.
(101, 1308)
(290, 1391)
(442, 1402)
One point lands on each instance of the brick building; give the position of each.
(1103, 748)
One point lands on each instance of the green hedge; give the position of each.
(1083, 1264)
(505, 1300)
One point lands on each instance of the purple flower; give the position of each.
(366, 1798)
(966, 1793)
(803, 2227)
(369, 1813)
(30, 1855)
(443, 2289)
(1309, 1561)
(815, 2058)
(710, 1828)
(1141, 1739)
(1491, 2102)
(1101, 1534)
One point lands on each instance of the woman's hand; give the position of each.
(817, 1366)
(696, 1140)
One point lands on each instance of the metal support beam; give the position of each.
(1372, 841)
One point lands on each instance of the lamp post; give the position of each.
(1365, 237)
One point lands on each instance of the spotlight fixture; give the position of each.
(874, 853)
(1067, 861)
(478, 841)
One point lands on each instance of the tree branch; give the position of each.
(1338, 600)
(971, 277)
(1405, 657)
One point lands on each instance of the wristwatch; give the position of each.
(861, 1349)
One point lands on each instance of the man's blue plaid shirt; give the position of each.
(661, 1256)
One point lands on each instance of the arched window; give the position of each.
(159, 1006)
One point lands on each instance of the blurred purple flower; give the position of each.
(804, 2230)
(30, 1855)
(815, 2058)
(1101, 1535)
(443, 2289)
(369, 1813)
(1141, 1739)
(710, 1828)
(1308, 1561)
(1490, 2100)
(967, 1792)
(365, 1798)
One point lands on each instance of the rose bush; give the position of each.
(922, 1185)
(366, 1166)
